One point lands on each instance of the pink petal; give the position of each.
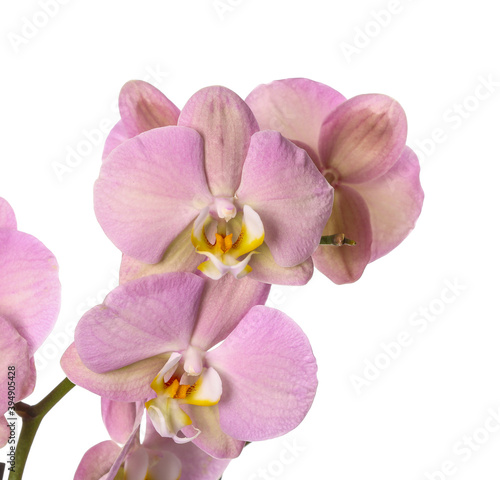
(293, 200)
(7, 216)
(97, 461)
(116, 136)
(223, 305)
(179, 256)
(226, 124)
(265, 269)
(350, 216)
(395, 202)
(295, 107)
(142, 107)
(140, 319)
(4, 432)
(14, 352)
(128, 384)
(362, 138)
(150, 189)
(119, 418)
(30, 292)
(130, 445)
(268, 376)
(212, 439)
(196, 464)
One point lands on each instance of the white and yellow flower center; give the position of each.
(214, 239)
(176, 385)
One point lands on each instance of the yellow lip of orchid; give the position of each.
(173, 389)
(223, 253)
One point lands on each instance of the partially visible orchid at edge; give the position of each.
(30, 295)
(156, 458)
(359, 146)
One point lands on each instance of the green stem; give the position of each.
(337, 240)
(32, 417)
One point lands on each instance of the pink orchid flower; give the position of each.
(359, 146)
(156, 459)
(212, 190)
(29, 304)
(153, 340)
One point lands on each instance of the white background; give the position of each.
(63, 83)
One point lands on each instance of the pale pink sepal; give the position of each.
(30, 292)
(142, 107)
(226, 124)
(362, 138)
(295, 107)
(395, 201)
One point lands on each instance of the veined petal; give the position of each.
(97, 461)
(212, 439)
(142, 107)
(268, 376)
(395, 201)
(295, 107)
(7, 216)
(140, 319)
(350, 216)
(127, 384)
(223, 305)
(30, 292)
(150, 189)
(265, 269)
(293, 214)
(119, 418)
(362, 138)
(226, 124)
(14, 352)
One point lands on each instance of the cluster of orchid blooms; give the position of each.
(211, 205)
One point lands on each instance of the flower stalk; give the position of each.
(32, 416)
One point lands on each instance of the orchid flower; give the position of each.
(359, 146)
(211, 192)
(153, 340)
(29, 303)
(155, 459)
